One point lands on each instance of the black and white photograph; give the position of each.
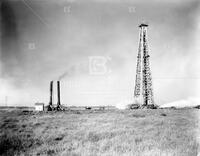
(99, 78)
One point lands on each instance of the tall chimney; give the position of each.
(51, 93)
(58, 92)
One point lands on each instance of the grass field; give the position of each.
(100, 133)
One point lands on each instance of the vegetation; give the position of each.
(163, 132)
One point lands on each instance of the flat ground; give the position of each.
(94, 133)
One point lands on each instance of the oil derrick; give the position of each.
(138, 78)
(143, 83)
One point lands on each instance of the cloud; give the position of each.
(99, 29)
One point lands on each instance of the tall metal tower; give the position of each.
(143, 82)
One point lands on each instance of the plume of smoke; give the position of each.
(189, 102)
(124, 104)
(74, 70)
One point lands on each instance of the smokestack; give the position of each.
(50, 106)
(51, 93)
(58, 92)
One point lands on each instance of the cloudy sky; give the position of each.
(70, 39)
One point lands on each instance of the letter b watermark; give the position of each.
(98, 65)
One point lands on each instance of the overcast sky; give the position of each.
(49, 40)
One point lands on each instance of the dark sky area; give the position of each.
(49, 40)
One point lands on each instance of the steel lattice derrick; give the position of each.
(147, 79)
(143, 82)
(138, 85)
